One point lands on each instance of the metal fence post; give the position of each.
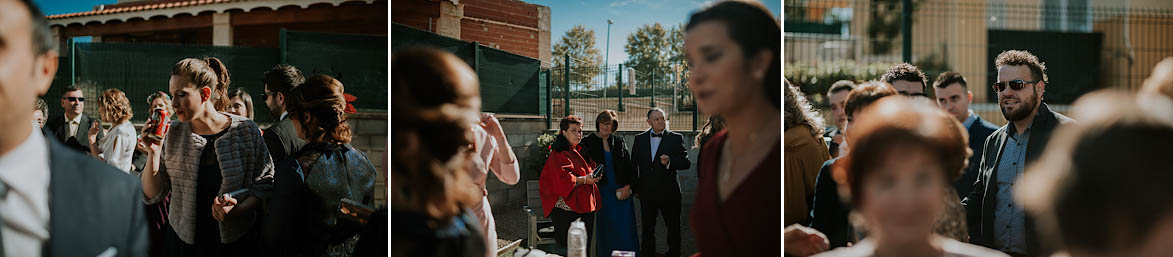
(549, 99)
(566, 85)
(652, 83)
(620, 81)
(695, 116)
(906, 30)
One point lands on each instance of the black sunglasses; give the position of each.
(1014, 84)
(74, 99)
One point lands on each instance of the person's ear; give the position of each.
(205, 94)
(46, 69)
(279, 98)
(969, 95)
(760, 63)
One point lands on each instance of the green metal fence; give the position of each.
(358, 61)
(585, 91)
(509, 83)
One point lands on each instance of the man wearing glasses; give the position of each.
(907, 79)
(67, 127)
(281, 137)
(995, 219)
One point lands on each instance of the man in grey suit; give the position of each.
(54, 201)
(281, 138)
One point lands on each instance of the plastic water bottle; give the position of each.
(577, 239)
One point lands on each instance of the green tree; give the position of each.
(579, 43)
(648, 51)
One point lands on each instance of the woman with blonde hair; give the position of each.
(117, 147)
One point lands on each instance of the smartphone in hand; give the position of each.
(598, 172)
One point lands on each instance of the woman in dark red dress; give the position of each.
(733, 52)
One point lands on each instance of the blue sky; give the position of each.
(628, 16)
(51, 7)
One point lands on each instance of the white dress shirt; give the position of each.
(73, 124)
(655, 143)
(118, 146)
(25, 208)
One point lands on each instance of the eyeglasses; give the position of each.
(268, 94)
(74, 99)
(1014, 84)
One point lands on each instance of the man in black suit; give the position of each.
(54, 201)
(954, 97)
(995, 219)
(658, 154)
(281, 137)
(72, 127)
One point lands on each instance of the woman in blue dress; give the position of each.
(615, 223)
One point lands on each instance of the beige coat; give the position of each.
(804, 154)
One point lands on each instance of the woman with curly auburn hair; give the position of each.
(317, 178)
(117, 147)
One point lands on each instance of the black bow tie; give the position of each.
(657, 135)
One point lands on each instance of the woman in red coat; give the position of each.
(734, 72)
(568, 191)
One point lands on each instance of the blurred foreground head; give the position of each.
(905, 155)
(1102, 186)
(435, 98)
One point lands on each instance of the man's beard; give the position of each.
(1025, 107)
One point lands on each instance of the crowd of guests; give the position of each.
(909, 175)
(207, 181)
(437, 196)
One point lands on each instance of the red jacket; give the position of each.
(557, 180)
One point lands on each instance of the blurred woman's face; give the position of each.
(720, 76)
(573, 133)
(237, 106)
(186, 100)
(904, 196)
(605, 128)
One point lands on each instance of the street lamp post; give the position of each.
(606, 56)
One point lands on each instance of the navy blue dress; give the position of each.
(616, 218)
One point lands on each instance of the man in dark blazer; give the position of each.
(72, 127)
(281, 137)
(954, 97)
(995, 220)
(54, 201)
(657, 155)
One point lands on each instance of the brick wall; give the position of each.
(513, 26)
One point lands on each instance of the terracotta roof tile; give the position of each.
(140, 6)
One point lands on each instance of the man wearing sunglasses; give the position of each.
(66, 127)
(907, 79)
(954, 97)
(995, 219)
